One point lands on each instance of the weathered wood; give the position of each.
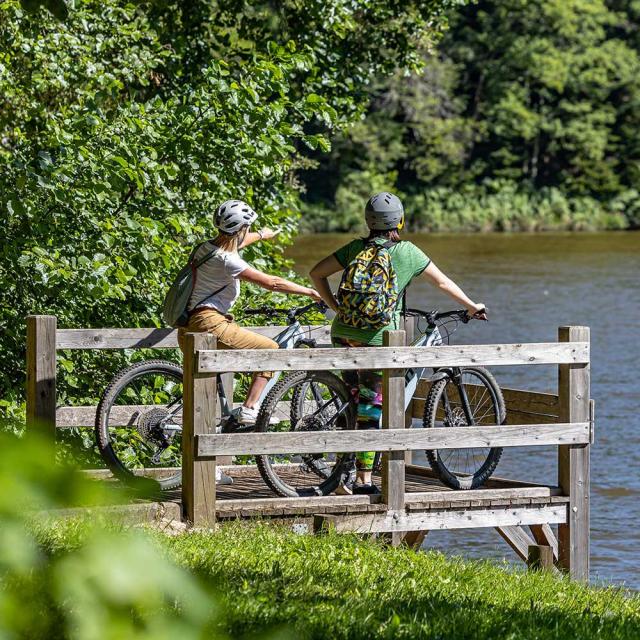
(543, 535)
(539, 558)
(523, 407)
(393, 418)
(391, 439)
(154, 338)
(423, 497)
(517, 538)
(573, 461)
(41, 375)
(199, 411)
(393, 357)
(447, 519)
(414, 539)
(122, 415)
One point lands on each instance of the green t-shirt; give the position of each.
(408, 261)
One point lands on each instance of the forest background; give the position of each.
(124, 124)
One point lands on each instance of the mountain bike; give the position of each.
(139, 418)
(458, 397)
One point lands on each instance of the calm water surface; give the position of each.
(532, 284)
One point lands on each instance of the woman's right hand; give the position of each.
(314, 295)
(477, 311)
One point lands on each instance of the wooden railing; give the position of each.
(564, 419)
(571, 431)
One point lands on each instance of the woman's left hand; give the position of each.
(267, 234)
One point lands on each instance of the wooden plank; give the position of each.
(392, 357)
(418, 499)
(459, 519)
(121, 415)
(517, 538)
(543, 535)
(41, 375)
(523, 407)
(200, 400)
(573, 461)
(391, 439)
(267, 504)
(155, 338)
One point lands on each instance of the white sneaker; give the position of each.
(249, 415)
(222, 478)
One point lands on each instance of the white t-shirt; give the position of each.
(221, 270)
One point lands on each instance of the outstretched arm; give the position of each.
(276, 283)
(448, 286)
(320, 273)
(256, 236)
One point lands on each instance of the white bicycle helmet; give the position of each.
(232, 215)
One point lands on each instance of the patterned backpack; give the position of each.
(368, 292)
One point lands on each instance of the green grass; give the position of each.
(342, 587)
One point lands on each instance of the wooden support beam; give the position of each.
(414, 539)
(393, 357)
(517, 538)
(41, 375)
(447, 519)
(391, 439)
(543, 535)
(540, 557)
(199, 417)
(573, 460)
(393, 418)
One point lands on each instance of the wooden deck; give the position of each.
(249, 497)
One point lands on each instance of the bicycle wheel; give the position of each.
(319, 401)
(139, 423)
(465, 468)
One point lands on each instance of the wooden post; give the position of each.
(573, 461)
(393, 462)
(540, 557)
(199, 416)
(41, 375)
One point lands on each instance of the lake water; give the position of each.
(532, 284)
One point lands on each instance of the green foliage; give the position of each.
(123, 125)
(89, 582)
(540, 98)
(339, 586)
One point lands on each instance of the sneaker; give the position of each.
(222, 478)
(365, 489)
(249, 415)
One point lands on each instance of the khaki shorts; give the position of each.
(230, 335)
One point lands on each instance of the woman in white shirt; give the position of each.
(217, 287)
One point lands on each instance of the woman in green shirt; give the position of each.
(384, 215)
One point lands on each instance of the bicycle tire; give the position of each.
(270, 475)
(103, 438)
(440, 468)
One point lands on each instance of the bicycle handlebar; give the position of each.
(433, 316)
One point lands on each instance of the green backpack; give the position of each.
(368, 292)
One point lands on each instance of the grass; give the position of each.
(343, 587)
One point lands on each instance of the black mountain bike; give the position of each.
(458, 397)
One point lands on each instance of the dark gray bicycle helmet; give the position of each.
(384, 212)
(232, 215)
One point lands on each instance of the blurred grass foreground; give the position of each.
(92, 578)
